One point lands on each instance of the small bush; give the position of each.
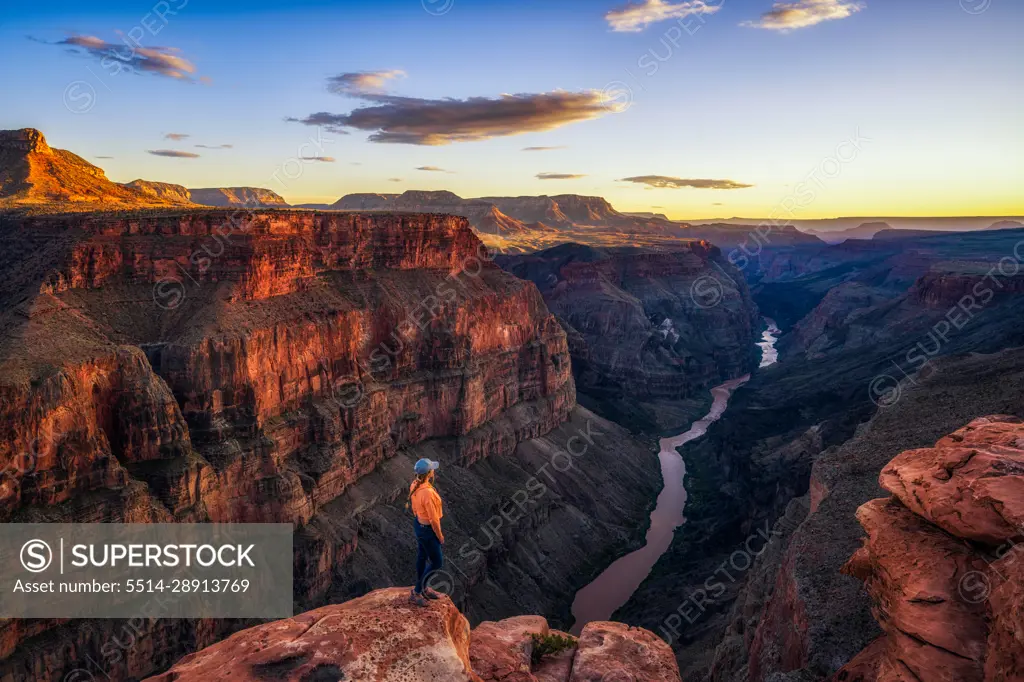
(549, 645)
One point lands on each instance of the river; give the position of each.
(769, 354)
(616, 584)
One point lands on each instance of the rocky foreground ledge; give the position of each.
(382, 637)
(943, 561)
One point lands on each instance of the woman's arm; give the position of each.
(435, 516)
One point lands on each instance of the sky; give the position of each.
(692, 109)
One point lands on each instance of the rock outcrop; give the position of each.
(569, 211)
(33, 174)
(237, 197)
(1005, 225)
(950, 609)
(862, 231)
(815, 619)
(162, 190)
(483, 216)
(647, 329)
(381, 637)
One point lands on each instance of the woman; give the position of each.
(426, 509)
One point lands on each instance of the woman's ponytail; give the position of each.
(420, 480)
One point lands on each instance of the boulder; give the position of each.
(613, 652)
(380, 637)
(971, 484)
(502, 650)
(1005, 658)
(914, 572)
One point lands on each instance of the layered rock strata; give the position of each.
(941, 560)
(382, 638)
(647, 326)
(289, 366)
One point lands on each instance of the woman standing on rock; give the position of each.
(426, 508)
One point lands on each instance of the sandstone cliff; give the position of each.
(237, 197)
(941, 560)
(162, 190)
(647, 330)
(483, 216)
(33, 173)
(382, 638)
(290, 366)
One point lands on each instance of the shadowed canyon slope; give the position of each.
(207, 365)
(899, 346)
(649, 331)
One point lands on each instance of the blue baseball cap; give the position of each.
(425, 465)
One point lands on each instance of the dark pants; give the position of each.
(428, 554)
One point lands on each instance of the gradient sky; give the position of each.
(932, 90)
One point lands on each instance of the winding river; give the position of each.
(616, 584)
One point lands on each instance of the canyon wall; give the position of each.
(751, 588)
(283, 366)
(649, 331)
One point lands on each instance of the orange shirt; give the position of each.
(426, 504)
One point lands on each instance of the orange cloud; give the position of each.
(786, 16)
(668, 182)
(635, 17)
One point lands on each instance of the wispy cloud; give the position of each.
(362, 82)
(411, 120)
(433, 169)
(394, 179)
(559, 176)
(786, 16)
(635, 17)
(215, 146)
(668, 182)
(160, 61)
(172, 153)
(540, 149)
(321, 159)
(176, 136)
(103, 157)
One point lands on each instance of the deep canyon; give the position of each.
(766, 466)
